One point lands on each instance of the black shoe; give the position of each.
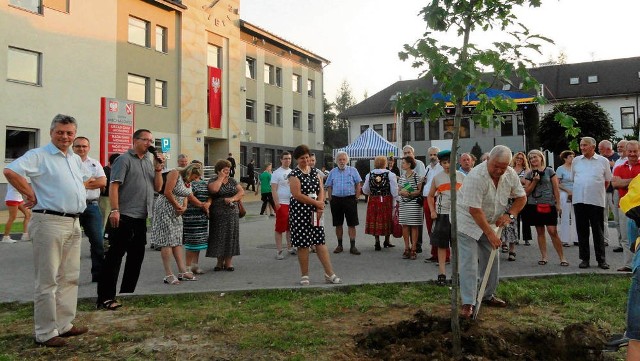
(584, 264)
(418, 249)
(378, 248)
(576, 243)
(618, 249)
(603, 265)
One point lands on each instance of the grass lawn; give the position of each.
(302, 324)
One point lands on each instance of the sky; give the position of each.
(362, 38)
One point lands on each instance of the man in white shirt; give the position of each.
(484, 195)
(591, 177)
(91, 218)
(433, 168)
(281, 197)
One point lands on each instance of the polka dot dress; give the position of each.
(303, 234)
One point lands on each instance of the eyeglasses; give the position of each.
(81, 146)
(145, 139)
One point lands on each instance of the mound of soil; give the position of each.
(426, 337)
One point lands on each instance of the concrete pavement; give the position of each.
(257, 268)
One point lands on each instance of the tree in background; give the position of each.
(462, 70)
(590, 117)
(336, 130)
(477, 152)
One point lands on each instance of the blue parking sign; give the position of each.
(165, 145)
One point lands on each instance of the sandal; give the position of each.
(109, 305)
(196, 270)
(171, 280)
(505, 248)
(564, 264)
(413, 255)
(542, 262)
(406, 254)
(183, 276)
(512, 256)
(304, 281)
(442, 280)
(332, 279)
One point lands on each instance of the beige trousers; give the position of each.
(56, 259)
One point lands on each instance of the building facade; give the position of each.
(63, 56)
(613, 84)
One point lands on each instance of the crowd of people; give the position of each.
(499, 199)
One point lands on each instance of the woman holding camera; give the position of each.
(543, 204)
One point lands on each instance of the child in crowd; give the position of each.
(440, 210)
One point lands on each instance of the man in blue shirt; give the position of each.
(58, 197)
(343, 190)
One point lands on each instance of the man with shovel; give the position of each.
(483, 198)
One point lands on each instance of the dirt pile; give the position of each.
(426, 337)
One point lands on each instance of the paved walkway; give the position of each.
(257, 268)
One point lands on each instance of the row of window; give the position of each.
(273, 116)
(273, 76)
(139, 90)
(36, 6)
(140, 34)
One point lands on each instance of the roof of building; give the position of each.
(616, 77)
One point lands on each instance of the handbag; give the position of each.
(397, 227)
(241, 211)
(419, 201)
(543, 208)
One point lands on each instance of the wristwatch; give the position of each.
(511, 216)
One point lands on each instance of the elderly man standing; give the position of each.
(484, 195)
(433, 168)
(622, 176)
(134, 178)
(466, 163)
(91, 219)
(591, 176)
(58, 197)
(343, 189)
(183, 160)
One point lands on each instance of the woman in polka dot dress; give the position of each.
(307, 199)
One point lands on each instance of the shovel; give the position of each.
(485, 279)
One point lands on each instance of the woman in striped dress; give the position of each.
(195, 224)
(410, 217)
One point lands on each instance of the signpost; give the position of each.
(116, 127)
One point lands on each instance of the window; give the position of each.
(24, 66)
(592, 79)
(30, 5)
(448, 129)
(627, 117)
(268, 113)
(58, 5)
(161, 39)
(418, 130)
(138, 88)
(250, 71)
(256, 157)
(296, 120)
(311, 123)
(269, 155)
(279, 77)
(296, 83)
(214, 54)
(506, 126)
(506, 87)
(138, 32)
(250, 114)
(243, 155)
(18, 142)
(434, 129)
(378, 128)
(363, 128)
(520, 119)
(269, 74)
(574, 81)
(464, 128)
(311, 88)
(406, 131)
(391, 132)
(161, 93)
(278, 116)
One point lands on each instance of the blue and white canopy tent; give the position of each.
(368, 146)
